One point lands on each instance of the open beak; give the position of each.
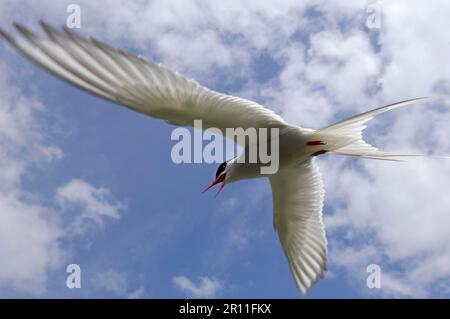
(220, 179)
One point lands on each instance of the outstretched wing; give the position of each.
(137, 83)
(298, 201)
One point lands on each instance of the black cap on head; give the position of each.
(221, 169)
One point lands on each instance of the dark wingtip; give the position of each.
(69, 32)
(5, 35)
(101, 45)
(45, 25)
(23, 30)
(49, 30)
(19, 26)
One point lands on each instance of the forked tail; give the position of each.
(345, 137)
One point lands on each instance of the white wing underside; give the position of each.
(137, 83)
(298, 201)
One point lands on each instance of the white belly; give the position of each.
(291, 151)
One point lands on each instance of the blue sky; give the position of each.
(152, 233)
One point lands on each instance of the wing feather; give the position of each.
(137, 83)
(298, 200)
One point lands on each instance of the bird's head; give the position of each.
(222, 176)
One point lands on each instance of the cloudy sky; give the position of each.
(85, 182)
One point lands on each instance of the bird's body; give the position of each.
(291, 147)
(156, 91)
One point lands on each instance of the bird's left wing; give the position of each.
(298, 200)
(137, 83)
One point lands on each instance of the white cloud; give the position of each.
(207, 288)
(112, 281)
(333, 74)
(94, 203)
(117, 283)
(416, 52)
(29, 245)
(137, 294)
(400, 212)
(29, 233)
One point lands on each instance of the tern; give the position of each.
(155, 90)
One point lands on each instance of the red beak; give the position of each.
(220, 179)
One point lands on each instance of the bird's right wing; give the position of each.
(298, 200)
(138, 83)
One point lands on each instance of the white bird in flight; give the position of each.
(156, 91)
